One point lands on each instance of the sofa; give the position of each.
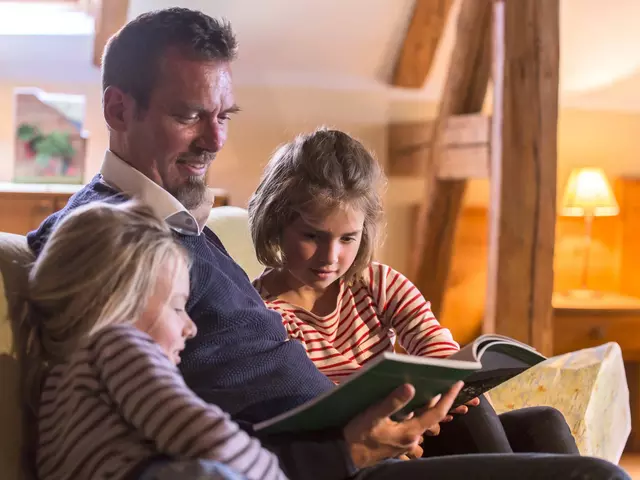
(229, 223)
(594, 367)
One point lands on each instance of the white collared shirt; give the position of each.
(123, 177)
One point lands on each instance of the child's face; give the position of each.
(165, 318)
(320, 248)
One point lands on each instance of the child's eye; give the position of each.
(309, 235)
(348, 239)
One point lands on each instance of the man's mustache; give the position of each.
(201, 156)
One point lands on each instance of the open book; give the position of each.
(483, 364)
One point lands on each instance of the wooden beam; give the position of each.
(110, 16)
(523, 170)
(421, 42)
(464, 163)
(465, 144)
(463, 93)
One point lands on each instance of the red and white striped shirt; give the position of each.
(119, 401)
(368, 316)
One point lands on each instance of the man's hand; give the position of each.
(462, 409)
(372, 436)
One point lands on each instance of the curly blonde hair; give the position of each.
(322, 170)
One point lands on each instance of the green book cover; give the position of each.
(502, 358)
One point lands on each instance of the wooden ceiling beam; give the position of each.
(421, 42)
(110, 16)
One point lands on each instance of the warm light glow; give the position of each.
(588, 193)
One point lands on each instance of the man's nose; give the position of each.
(212, 135)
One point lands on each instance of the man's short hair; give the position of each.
(131, 58)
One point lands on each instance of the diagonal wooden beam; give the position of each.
(110, 16)
(523, 170)
(421, 42)
(465, 149)
(464, 93)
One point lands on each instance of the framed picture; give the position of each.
(50, 142)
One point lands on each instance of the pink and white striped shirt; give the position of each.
(368, 316)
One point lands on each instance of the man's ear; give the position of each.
(117, 108)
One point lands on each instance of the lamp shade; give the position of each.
(588, 193)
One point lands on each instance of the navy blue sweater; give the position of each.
(241, 358)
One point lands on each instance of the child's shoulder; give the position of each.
(112, 336)
(259, 283)
(377, 271)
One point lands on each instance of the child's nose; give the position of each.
(333, 253)
(190, 329)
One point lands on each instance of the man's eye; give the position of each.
(186, 118)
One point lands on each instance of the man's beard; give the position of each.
(192, 193)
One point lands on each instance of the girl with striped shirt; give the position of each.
(314, 219)
(100, 342)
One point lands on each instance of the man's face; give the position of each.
(174, 141)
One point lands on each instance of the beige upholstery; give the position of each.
(231, 225)
(14, 256)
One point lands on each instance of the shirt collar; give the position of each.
(126, 179)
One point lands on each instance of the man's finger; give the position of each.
(439, 411)
(448, 398)
(393, 403)
(460, 410)
(474, 402)
(446, 419)
(434, 400)
(433, 430)
(415, 452)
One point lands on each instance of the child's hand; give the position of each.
(462, 409)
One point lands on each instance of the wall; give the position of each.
(270, 116)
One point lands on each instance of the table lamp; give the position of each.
(588, 194)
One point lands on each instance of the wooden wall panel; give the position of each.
(628, 194)
(614, 262)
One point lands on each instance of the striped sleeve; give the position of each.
(152, 396)
(403, 308)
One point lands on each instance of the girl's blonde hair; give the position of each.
(321, 170)
(99, 267)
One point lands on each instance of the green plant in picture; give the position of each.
(42, 147)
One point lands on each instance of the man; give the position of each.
(167, 100)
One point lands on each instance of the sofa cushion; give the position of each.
(231, 225)
(15, 257)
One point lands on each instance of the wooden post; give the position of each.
(464, 93)
(523, 170)
(110, 16)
